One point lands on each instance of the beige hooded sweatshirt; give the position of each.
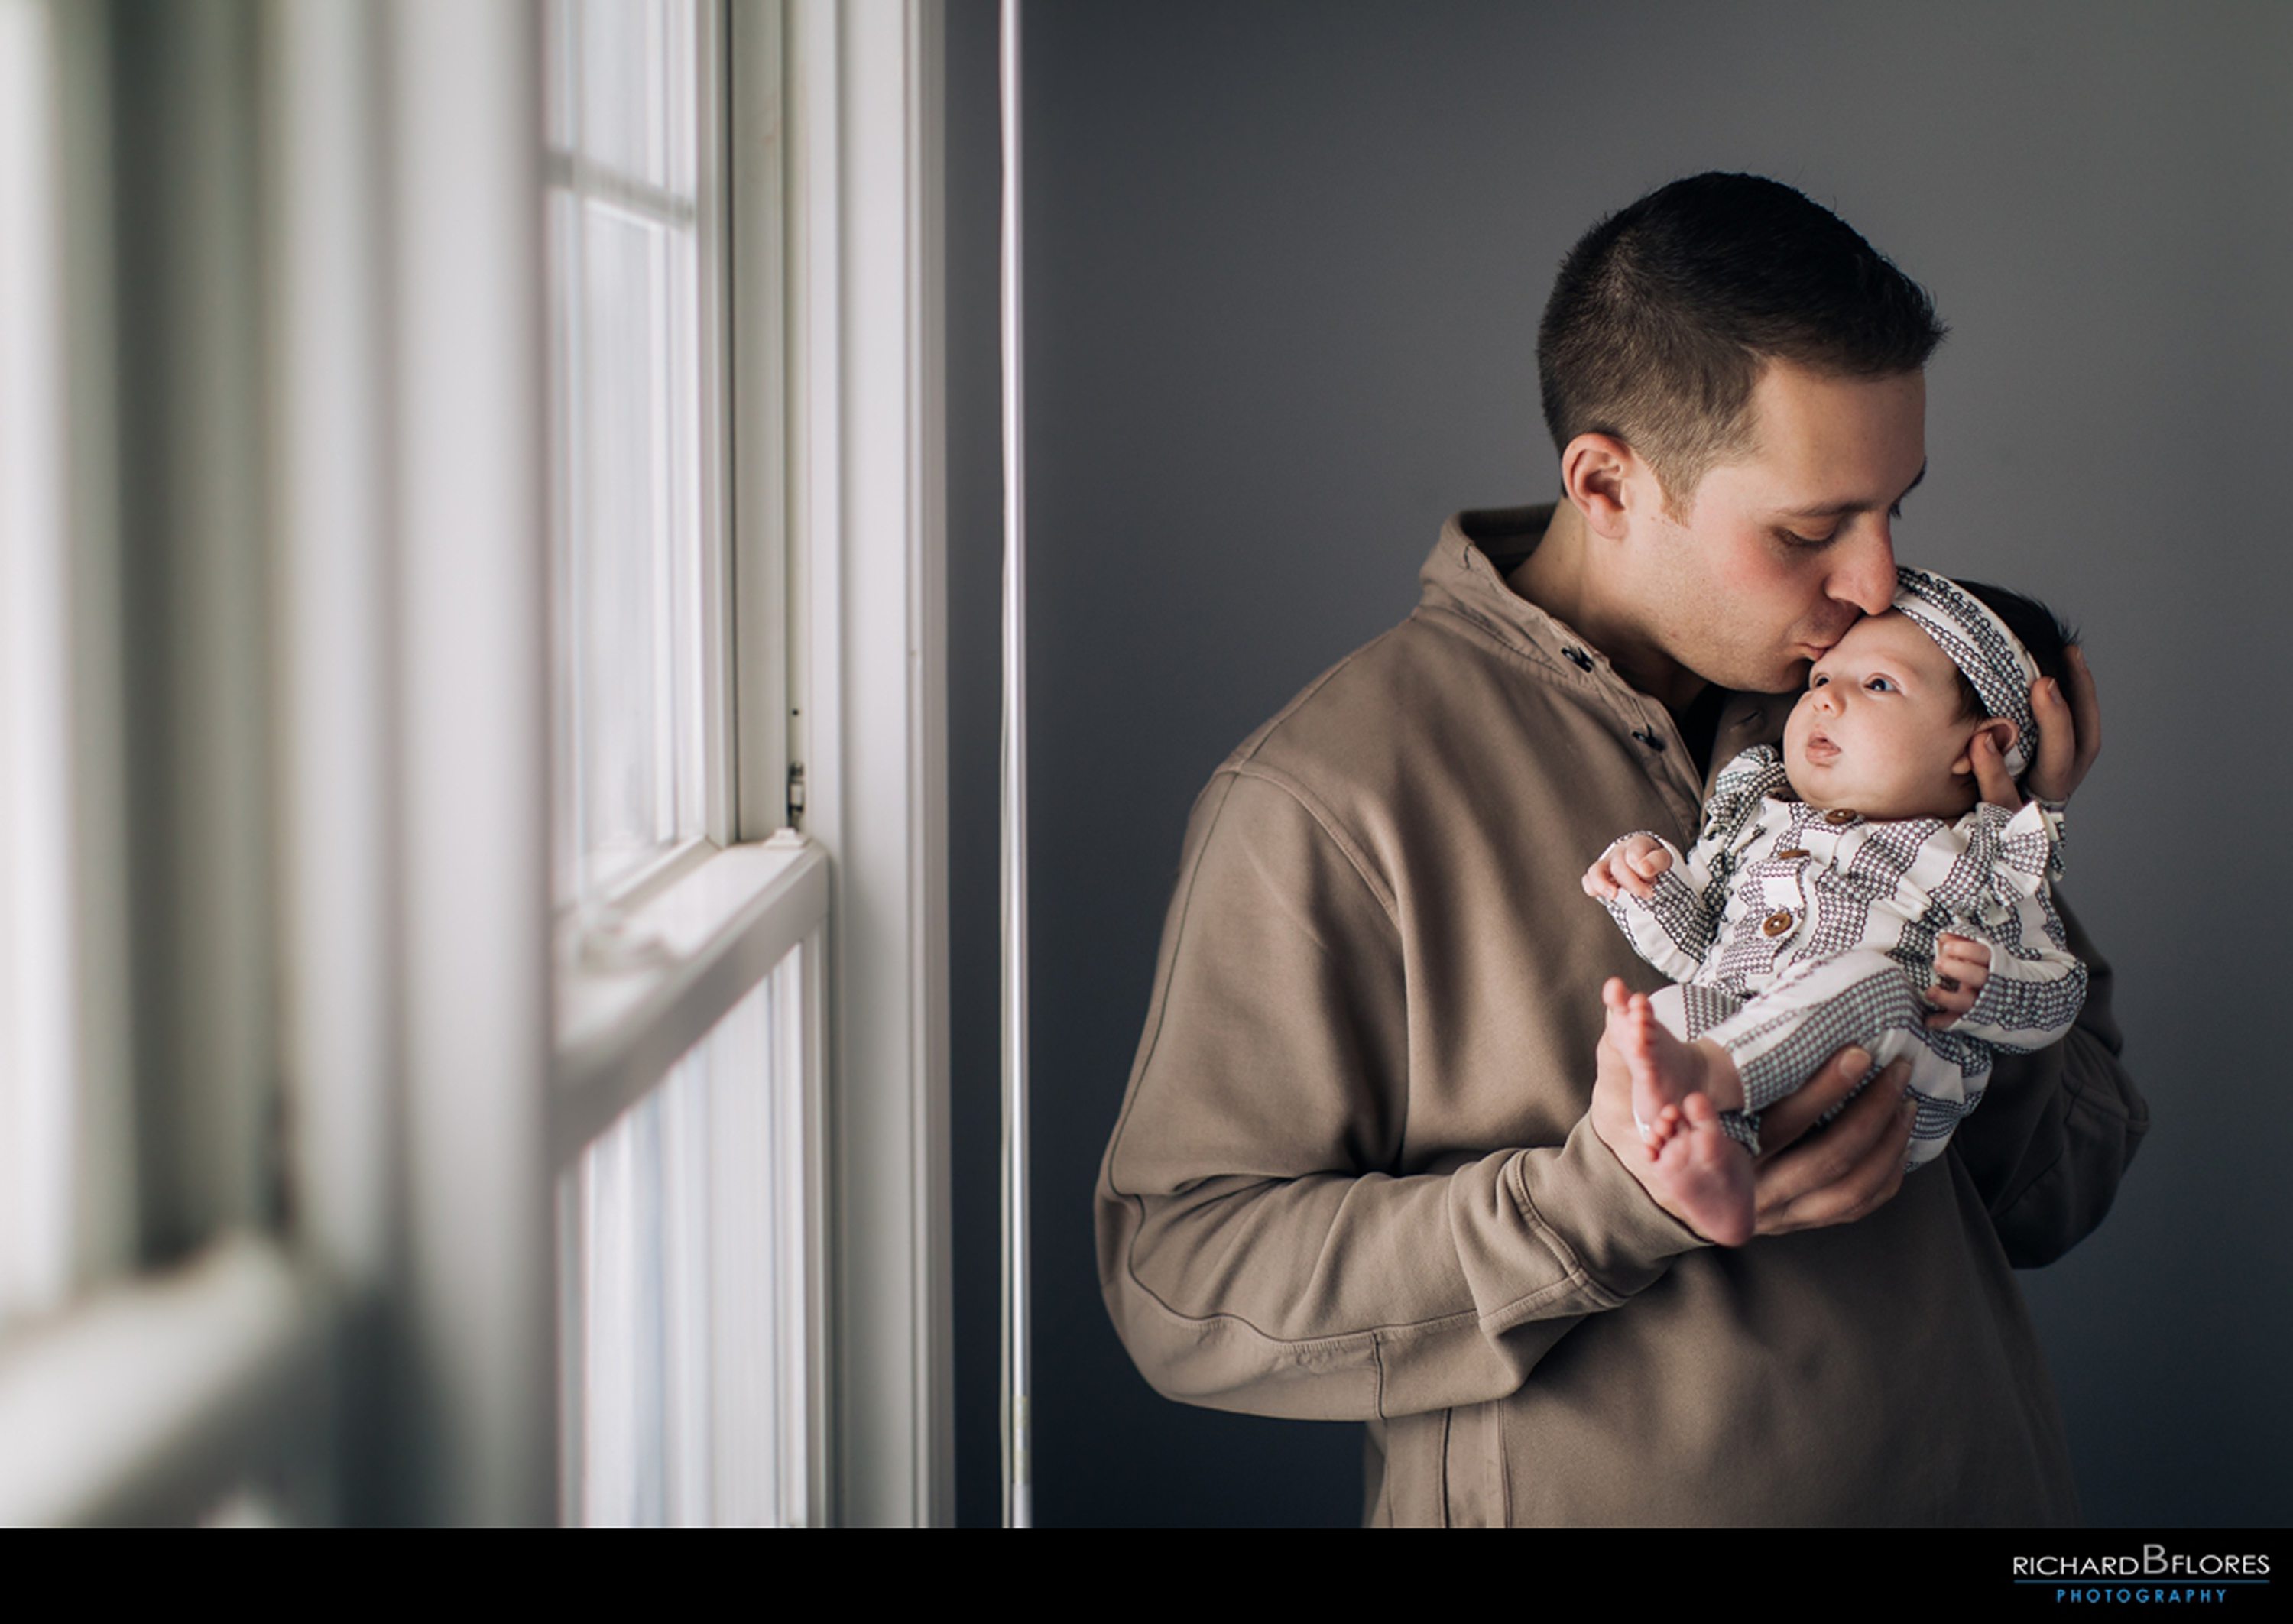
(1353, 1177)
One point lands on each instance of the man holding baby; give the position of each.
(1376, 1161)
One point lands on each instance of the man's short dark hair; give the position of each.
(1665, 313)
(2043, 632)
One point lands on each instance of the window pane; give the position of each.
(625, 108)
(621, 71)
(685, 1261)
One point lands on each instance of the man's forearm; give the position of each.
(1340, 1297)
(1255, 1252)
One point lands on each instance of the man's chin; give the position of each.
(1790, 677)
(1786, 674)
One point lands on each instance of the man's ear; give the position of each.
(2000, 728)
(1596, 472)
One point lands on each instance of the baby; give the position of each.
(1831, 881)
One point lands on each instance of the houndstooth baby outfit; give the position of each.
(1792, 932)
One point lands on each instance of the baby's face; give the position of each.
(1878, 729)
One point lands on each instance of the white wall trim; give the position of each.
(869, 519)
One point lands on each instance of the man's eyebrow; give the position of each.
(1829, 509)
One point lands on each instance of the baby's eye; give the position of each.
(1881, 684)
(1814, 682)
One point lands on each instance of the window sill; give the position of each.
(100, 1430)
(634, 996)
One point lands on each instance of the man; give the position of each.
(1374, 1162)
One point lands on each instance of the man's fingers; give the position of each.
(1841, 1174)
(2085, 711)
(1950, 1009)
(1990, 774)
(2056, 762)
(1962, 959)
(2070, 724)
(1788, 1118)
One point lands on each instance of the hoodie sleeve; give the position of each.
(1257, 1249)
(2059, 1127)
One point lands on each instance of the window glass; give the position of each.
(625, 107)
(686, 1274)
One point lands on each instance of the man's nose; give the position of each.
(1865, 573)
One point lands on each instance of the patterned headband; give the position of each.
(1980, 645)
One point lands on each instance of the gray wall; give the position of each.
(1285, 262)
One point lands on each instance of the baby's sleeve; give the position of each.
(1674, 928)
(2036, 984)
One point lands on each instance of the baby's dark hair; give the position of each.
(2043, 632)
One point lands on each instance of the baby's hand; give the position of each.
(1961, 965)
(1631, 865)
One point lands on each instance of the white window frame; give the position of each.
(720, 751)
(868, 483)
(389, 1358)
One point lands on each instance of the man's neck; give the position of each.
(1564, 579)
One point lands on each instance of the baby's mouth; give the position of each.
(1820, 749)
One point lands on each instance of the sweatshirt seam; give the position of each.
(1250, 748)
(1374, 1336)
(1160, 1013)
(1578, 1275)
(1137, 1201)
(1339, 837)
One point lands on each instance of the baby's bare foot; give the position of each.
(1666, 1072)
(1704, 1176)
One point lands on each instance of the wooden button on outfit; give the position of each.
(1790, 853)
(1776, 924)
(1838, 817)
